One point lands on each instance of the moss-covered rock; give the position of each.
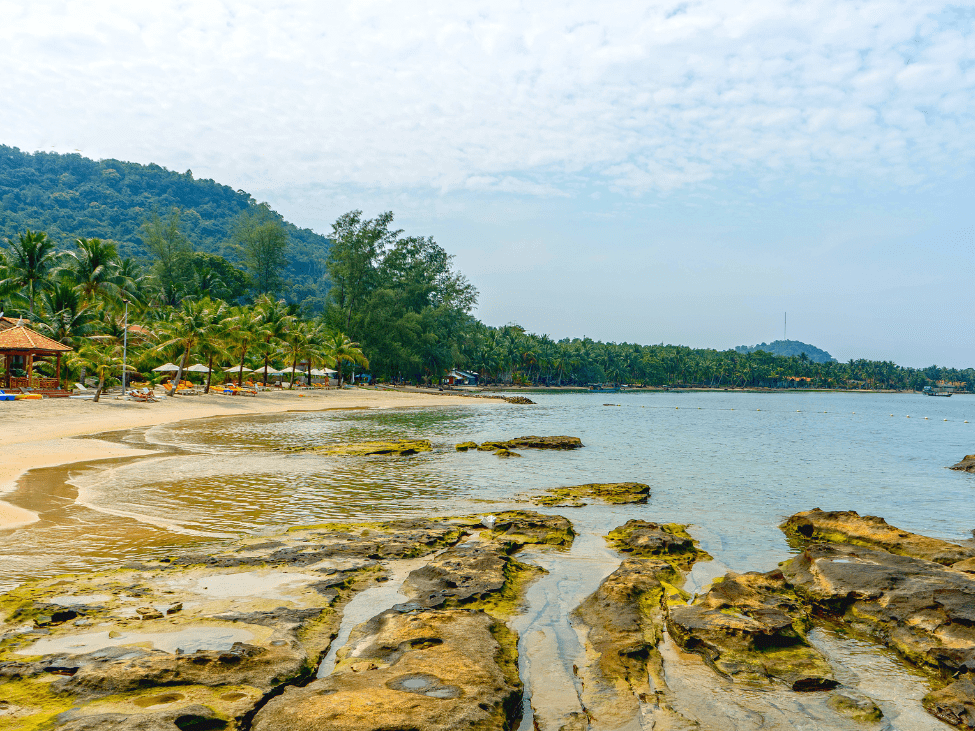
(399, 447)
(436, 670)
(847, 526)
(855, 706)
(614, 493)
(751, 627)
(622, 623)
(954, 704)
(464, 446)
(522, 527)
(667, 541)
(145, 646)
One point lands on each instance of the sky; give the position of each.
(679, 172)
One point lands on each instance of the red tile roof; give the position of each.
(23, 338)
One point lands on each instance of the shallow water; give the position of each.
(733, 465)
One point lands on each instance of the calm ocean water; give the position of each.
(733, 465)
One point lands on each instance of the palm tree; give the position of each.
(30, 267)
(245, 324)
(67, 318)
(304, 342)
(217, 340)
(275, 322)
(102, 357)
(191, 324)
(339, 348)
(95, 269)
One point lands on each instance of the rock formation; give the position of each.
(615, 493)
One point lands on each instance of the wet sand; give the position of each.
(46, 433)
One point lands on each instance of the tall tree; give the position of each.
(96, 269)
(30, 267)
(338, 348)
(171, 251)
(261, 239)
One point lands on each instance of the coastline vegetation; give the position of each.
(221, 279)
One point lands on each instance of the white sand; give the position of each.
(43, 433)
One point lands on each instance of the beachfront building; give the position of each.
(460, 378)
(21, 348)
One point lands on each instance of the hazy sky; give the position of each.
(679, 172)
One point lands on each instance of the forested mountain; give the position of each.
(70, 197)
(790, 348)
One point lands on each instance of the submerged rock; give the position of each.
(751, 627)
(505, 453)
(400, 447)
(966, 465)
(858, 707)
(615, 493)
(435, 670)
(669, 541)
(518, 400)
(847, 526)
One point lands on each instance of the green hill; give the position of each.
(789, 348)
(70, 196)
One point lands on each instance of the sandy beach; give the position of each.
(46, 433)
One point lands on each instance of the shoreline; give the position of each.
(56, 432)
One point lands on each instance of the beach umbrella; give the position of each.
(236, 369)
(198, 368)
(166, 368)
(294, 369)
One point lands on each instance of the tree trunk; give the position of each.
(294, 365)
(182, 365)
(209, 373)
(240, 373)
(101, 385)
(266, 358)
(308, 370)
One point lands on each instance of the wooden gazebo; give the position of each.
(21, 347)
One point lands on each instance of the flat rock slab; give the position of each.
(667, 541)
(402, 448)
(216, 630)
(614, 493)
(922, 609)
(522, 527)
(435, 670)
(751, 627)
(622, 623)
(532, 442)
(847, 526)
(954, 704)
(460, 574)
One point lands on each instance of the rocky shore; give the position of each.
(233, 638)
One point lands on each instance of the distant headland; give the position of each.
(790, 348)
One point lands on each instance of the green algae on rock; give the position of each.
(399, 447)
(522, 527)
(531, 442)
(847, 526)
(752, 627)
(667, 541)
(221, 630)
(436, 670)
(622, 623)
(614, 493)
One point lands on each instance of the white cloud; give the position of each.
(502, 97)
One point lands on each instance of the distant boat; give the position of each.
(600, 388)
(938, 391)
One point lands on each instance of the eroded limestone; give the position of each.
(436, 670)
(847, 526)
(614, 493)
